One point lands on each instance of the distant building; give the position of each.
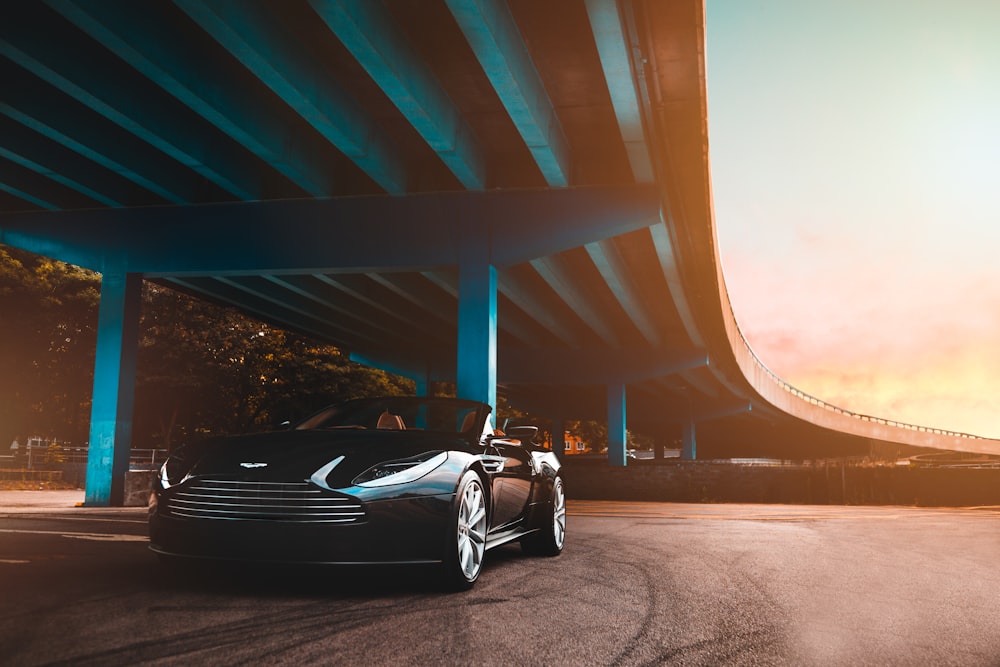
(572, 444)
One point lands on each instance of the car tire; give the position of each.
(551, 536)
(466, 545)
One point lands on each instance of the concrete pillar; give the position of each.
(616, 425)
(689, 446)
(114, 388)
(559, 437)
(477, 329)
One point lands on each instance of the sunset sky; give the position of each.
(855, 148)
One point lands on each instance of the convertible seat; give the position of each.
(390, 422)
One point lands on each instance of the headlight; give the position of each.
(401, 471)
(319, 477)
(173, 471)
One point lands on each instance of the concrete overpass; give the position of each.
(495, 193)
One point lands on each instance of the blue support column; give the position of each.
(421, 386)
(616, 425)
(114, 388)
(689, 446)
(477, 329)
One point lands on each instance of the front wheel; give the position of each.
(467, 537)
(549, 540)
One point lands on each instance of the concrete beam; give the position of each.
(137, 33)
(367, 30)
(123, 98)
(495, 39)
(548, 365)
(247, 31)
(614, 50)
(324, 236)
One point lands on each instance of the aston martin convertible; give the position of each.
(386, 480)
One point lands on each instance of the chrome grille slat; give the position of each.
(260, 491)
(311, 499)
(239, 500)
(205, 503)
(188, 515)
(230, 511)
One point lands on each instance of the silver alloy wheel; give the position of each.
(471, 530)
(558, 513)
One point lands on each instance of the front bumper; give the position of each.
(398, 530)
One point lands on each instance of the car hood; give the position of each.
(293, 456)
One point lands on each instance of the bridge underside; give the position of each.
(510, 194)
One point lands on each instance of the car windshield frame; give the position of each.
(450, 416)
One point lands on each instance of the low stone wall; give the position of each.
(719, 482)
(138, 484)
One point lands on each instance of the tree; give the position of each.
(200, 369)
(47, 344)
(205, 369)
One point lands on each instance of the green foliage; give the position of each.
(47, 341)
(201, 369)
(204, 369)
(54, 454)
(594, 434)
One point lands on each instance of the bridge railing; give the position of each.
(838, 410)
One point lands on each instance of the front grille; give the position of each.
(297, 502)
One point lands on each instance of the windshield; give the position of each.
(402, 413)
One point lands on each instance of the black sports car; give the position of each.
(385, 480)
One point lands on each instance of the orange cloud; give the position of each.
(877, 339)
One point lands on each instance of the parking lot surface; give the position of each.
(638, 584)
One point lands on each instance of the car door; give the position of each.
(511, 482)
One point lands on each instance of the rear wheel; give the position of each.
(549, 540)
(467, 536)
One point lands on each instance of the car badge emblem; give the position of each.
(253, 465)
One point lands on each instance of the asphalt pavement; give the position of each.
(638, 584)
(22, 502)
